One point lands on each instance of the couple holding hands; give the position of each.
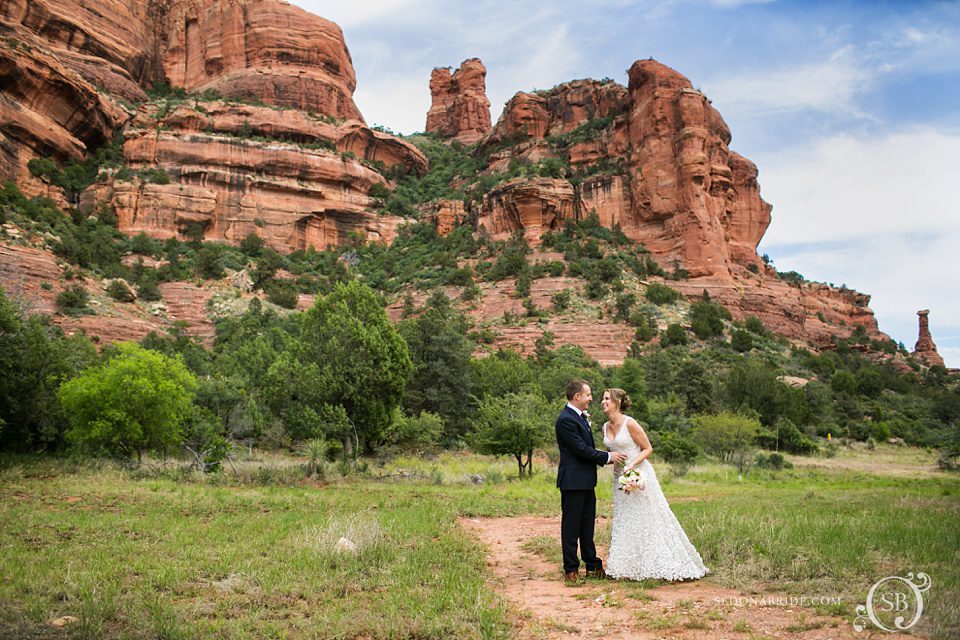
(647, 540)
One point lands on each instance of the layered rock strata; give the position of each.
(925, 349)
(265, 49)
(459, 106)
(295, 180)
(652, 158)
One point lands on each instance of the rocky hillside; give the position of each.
(224, 121)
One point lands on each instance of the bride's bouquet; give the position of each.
(630, 481)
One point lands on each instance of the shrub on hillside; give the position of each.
(674, 335)
(119, 291)
(661, 294)
(73, 301)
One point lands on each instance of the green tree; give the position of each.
(659, 373)
(440, 353)
(74, 301)
(630, 377)
(348, 355)
(515, 424)
(752, 384)
(251, 244)
(726, 435)
(693, 384)
(35, 358)
(134, 402)
(844, 382)
(210, 262)
(423, 430)
(499, 373)
(706, 319)
(741, 341)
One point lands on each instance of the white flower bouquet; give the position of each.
(630, 481)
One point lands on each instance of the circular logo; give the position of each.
(894, 603)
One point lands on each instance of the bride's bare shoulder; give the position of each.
(635, 427)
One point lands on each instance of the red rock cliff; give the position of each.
(297, 169)
(264, 49)
(654, 158)
(66, 68)
(459, 106)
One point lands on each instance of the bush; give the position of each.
(514, 424)
(251, 244)
(706, 319)
(774, 461)
(210, 262)
(204, 439)
(741, 341)
(674, 335)
(282, 294)
(754, 324)
(726, 435)
(148, 290)
(561, 299)
(675, 447)
(73, 301)
(786, 436)
(119, 291)
(134, 402)
(424, 430)
(661, 294)
(144, 245)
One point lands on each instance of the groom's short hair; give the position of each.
(574, 387)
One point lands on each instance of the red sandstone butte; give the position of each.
(291, 178)
(925, 349)
(459, 106)
(672, 183)
(265, 49)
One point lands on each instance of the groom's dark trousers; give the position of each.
(576, 479)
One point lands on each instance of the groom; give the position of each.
(576, 479)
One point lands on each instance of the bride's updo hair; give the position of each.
(620, 397)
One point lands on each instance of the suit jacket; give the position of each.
(579, 458)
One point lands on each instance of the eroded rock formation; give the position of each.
(925, 349)
(653, 158)
(265, 49)
(294, 179)
(64, 72)
(534, 206)
(297, 169)
(459, 106)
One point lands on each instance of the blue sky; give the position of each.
(851, 111)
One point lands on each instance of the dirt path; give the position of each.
(519, 549)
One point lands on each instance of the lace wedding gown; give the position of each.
(647, 540)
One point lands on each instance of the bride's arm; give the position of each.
(640, 437)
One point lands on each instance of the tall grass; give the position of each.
(141, 555)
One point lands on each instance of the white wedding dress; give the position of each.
(647, 539)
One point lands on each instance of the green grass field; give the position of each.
(250, 554)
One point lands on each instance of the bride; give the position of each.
(647, 540)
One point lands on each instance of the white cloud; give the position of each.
(846, 186)
(733, 4)
(398, 103)
(830, 85)
(358, 12)
(902, 275)
(878, 214)
(951, 356)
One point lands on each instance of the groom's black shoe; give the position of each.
(571, 576)
(597, 573)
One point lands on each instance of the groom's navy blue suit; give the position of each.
(576, 479)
